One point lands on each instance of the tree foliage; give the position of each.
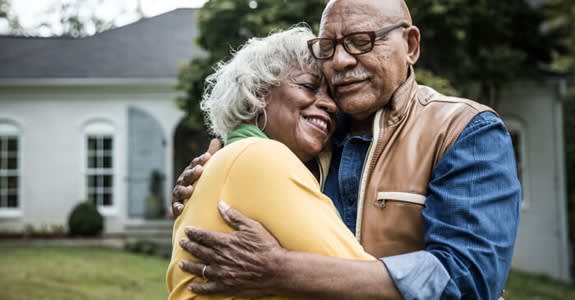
(225, 25)
(562, 19)
(77, 19)
(481, 45)
(6, 16)
(475, 47)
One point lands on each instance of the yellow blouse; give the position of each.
(265, 181)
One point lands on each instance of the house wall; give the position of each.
(542, 242)
(52, 121)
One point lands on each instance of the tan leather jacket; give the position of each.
(410, 135)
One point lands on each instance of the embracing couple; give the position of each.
(341, 177)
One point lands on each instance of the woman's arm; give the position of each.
(268, 184)
(250, 262)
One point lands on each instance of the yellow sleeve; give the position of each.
(268, 183)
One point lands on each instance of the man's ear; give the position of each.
(412, 36)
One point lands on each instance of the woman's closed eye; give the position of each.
(312, 86)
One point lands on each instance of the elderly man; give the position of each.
(427, 182)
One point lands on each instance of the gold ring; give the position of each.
(204, 272)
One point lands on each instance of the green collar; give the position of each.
(244, 131)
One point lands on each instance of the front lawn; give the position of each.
(78, 273)
(90, 273)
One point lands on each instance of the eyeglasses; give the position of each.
(354, 43)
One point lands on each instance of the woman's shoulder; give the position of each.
(267, 160)
(259, 147)
(254, 152)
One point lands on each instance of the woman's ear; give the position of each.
(413, 37)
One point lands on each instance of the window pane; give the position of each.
(100, 161)
(107, 143)
(92, 143)
(12, 182)
(107, 162)
(12, 163)
(3, 163)
(92, 160)
(12, 144)
(107, 199)
(91, 181)
(107, 181)
(92, 197)
(12, 201)
(516, 141)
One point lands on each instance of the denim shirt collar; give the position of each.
(342, 132)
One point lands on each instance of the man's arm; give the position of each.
(470, 219)
(184, 189)
(249, 262)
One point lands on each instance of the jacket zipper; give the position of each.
(367, 166)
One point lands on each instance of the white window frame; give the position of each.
(8, 129)
(101, 128)
(516, 125)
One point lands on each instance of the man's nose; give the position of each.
(342, 60)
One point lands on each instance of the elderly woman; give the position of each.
(270, 105)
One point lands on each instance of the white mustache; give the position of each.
(354, 74)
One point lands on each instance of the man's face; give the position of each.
(362, 84)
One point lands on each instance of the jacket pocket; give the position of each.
(384, 197)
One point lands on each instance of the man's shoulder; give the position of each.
(433, 101)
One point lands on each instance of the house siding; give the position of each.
(52, 122)
(542, 239)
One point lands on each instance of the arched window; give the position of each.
(99, 172)
(518, 138)
(9, 168)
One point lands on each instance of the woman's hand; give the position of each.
(243, 263)
(184, 189)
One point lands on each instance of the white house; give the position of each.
(94, 118)
(533, 113)
(90, 118)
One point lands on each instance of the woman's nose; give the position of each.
(325, 102)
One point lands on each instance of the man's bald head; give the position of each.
(388, 11)
(363, 83)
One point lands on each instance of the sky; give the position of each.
(31, 13)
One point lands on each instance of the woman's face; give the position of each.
(301, 114)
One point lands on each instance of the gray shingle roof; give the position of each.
(150, 48)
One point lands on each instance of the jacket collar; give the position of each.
(397, 106)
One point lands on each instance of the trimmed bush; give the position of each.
(85, 220)
(149, 247)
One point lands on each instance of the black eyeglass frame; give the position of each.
(372, 35)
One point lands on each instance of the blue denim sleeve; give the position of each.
(471, 217)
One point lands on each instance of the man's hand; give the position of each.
(184, 189)
(242, 263)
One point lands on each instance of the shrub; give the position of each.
(149, 247)
(85, 220)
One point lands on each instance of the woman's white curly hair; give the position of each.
(235, 92)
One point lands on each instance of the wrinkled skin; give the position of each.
(225, 253)
(250, 261)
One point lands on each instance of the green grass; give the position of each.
(522, 286)
(69, 273)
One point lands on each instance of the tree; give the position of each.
(562, 19)
(77, 18)
(482, 45)
(476, 48)
(6, 16)
(224, 25)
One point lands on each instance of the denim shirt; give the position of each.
(470, 218)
